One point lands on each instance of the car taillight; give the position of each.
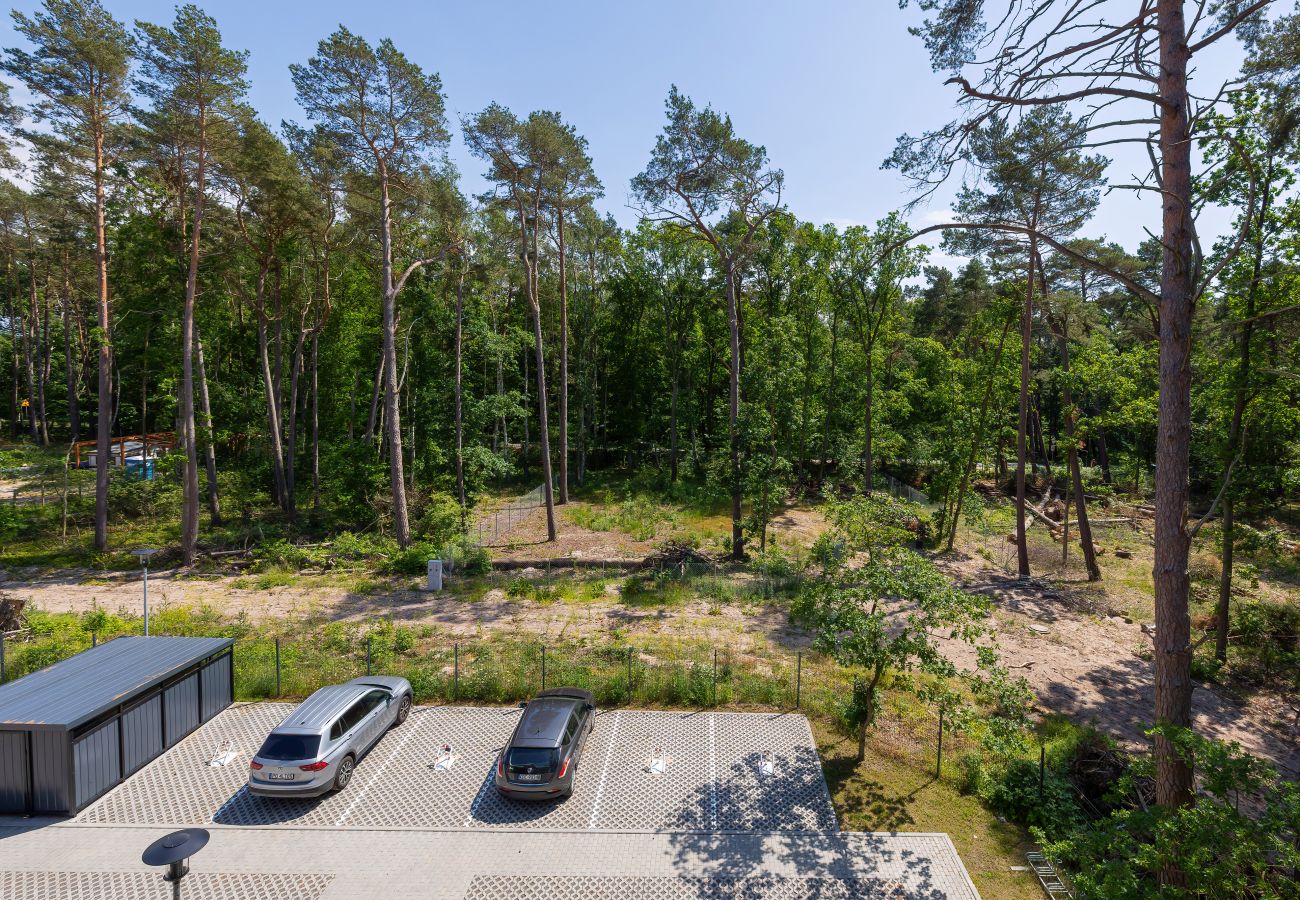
(501, 765)
(255, 765)
(314, 767)
(564, 767)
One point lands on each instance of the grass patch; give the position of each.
(896, 791)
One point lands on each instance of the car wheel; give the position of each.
(344, 774)
(403, 710)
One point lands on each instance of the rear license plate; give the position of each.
(537, 778)
(281, 776)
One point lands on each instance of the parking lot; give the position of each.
(721, 772)
(700, 805)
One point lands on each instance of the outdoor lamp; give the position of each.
(143, 554)
(173, 851)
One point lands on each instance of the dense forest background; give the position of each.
(334, 337)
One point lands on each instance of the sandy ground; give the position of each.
(1079, 659)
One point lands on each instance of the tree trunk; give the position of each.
(1076, 475)
(190, 481)
(69, 367)
(315, 414)
(209, 433)
(829, 418)
(459, 387)
(296, 362)
(733, 411)
(104, 398)
(392, 414)
(1026, 338)
(672, 429)
(372, 420)
(273, 423)
(1173, 653)
(978, 439)
(564, 359)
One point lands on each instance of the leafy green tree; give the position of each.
(79, 68)
(196, 85)
(698, 170)
(387, 117)
(881, 616)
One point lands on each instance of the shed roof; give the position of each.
(82, 687)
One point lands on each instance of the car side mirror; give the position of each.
(523, 704)
(589, 707)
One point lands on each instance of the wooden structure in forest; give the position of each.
(120, 449)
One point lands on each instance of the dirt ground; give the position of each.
(1081, 657)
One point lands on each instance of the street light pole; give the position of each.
(143, 554)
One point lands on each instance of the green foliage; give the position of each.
(1222, 850)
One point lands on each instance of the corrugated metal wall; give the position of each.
(50, 771)
(142, 734)
(182, 705)
(95, 762)
(13, 772)
(99, 761)
(216, 686)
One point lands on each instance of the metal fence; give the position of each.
(903, 491)
(492, 526)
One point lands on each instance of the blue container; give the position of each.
(139, 469)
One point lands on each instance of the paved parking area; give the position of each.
(716, 777)
(740, 812)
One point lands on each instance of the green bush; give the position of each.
(1015, 793)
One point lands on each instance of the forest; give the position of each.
(323, 333)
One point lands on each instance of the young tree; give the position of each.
(1056, 54)
(571, 185)
(79, 66)
(196, 85)
(521, 168)
(883, 614)
(700, 170)
(387, 117)
(1033, 178)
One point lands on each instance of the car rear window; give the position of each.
(290, 746)
(537, 757)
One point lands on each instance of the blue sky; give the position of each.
(825, 85)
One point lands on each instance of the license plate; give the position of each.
(281, 776)
(530, 778)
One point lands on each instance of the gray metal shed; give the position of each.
(73, 730)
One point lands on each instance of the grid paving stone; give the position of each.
(37, 885)
(532, 887)
(713, 779)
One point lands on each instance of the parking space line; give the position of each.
(410, 733)
(604, 772)
(713, 774)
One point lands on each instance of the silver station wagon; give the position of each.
(317, 746)
(541, 760)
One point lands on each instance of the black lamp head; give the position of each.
(175, 847)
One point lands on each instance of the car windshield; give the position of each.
(537, 757)
(290, 746)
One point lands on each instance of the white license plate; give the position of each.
(281, 776)
(537, 778)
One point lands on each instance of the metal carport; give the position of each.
(73, 730)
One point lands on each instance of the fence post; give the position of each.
(369, 641)
(715, 676)
(2, 657)
(1042, 769)
(455, 670)
(798, 682)
(543, 667)
(94, 639)
(629, 673)
(277, 667)
(938, 766)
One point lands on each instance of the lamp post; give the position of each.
(143, 554)
(173, 851)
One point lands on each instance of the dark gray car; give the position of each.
(317, 746)
(540, 762)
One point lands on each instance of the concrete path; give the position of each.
(94, 861)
